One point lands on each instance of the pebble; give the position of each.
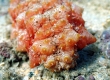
(2, 64)
(80, 78)
(102, 61)
(91, 77)
(107, 23)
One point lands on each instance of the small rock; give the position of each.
(91, 77)
(102, 61)
(80, 78)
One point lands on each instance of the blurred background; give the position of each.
(4, 4)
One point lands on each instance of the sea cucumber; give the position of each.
(50, 31)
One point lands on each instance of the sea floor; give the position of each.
(92, 64)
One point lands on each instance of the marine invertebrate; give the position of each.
(50, 31)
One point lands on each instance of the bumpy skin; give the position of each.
(50, 31)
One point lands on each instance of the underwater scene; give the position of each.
(54, 40)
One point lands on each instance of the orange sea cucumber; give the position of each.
(50, 31)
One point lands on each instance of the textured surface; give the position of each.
(51, 31)
(92, 62)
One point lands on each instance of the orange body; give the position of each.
(50, 31)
